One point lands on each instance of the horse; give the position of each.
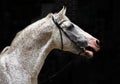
(21, 62)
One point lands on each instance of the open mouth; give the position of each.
(87, 51)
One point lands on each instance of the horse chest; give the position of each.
(11, 72)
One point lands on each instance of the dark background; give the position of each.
(100, 18)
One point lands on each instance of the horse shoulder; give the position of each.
(3, 78)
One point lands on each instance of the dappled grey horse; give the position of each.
(21, 62)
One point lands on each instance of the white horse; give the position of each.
(21, 62)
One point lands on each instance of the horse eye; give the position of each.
(70, 27)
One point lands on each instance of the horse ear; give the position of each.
(63, 11)
(59, 16)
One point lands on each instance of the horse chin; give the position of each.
(87, 53)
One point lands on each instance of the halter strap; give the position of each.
(58, 26)
(61, 30)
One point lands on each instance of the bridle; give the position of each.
(49, 79)
(60, 30)
(61, 37)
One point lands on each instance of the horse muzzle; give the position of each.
(93, 47)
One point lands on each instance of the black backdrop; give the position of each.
(100, 18)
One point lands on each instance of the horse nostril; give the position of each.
(98, 42)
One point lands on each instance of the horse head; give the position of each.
(73, 38)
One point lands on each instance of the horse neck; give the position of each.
(33, 44)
